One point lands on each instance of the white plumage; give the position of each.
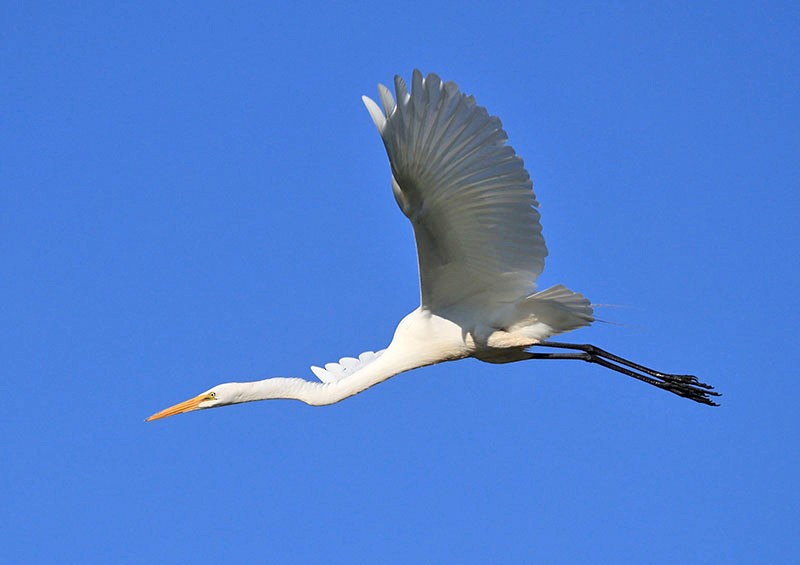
(480, 250)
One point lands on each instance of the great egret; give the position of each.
(480, 249)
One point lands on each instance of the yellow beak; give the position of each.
(180, 408)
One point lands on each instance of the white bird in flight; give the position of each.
(480, 249)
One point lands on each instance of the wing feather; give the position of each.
(467, 194)
(334, 372)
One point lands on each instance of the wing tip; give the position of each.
(375, 113)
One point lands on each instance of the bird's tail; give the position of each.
(559, 308)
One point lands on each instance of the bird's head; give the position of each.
(220, 395)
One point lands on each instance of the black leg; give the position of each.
(683, 385)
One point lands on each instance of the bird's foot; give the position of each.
(688, 386)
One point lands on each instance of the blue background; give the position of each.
(193, 194)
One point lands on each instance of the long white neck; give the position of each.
(412, 347)
(390, 363)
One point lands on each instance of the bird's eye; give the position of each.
(213, 394)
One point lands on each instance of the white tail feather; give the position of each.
(560, 308)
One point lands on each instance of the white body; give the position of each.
(479, 244)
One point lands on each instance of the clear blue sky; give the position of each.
(195, 194)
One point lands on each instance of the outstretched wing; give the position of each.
(467, 194)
